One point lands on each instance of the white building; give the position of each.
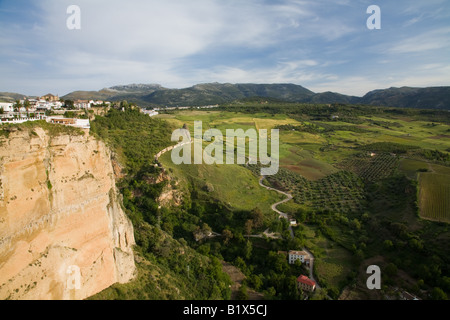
(82, 104)
(151, 113)
(7, 107)
(56, 104)
(72, 122)
(298, 255)
(43, 106)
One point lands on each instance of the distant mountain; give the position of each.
(216, 93)
(147, 95)
(103, 94)
(407, 97)
(200, 94)
(131, 93)
(10, 97)
(136, 88)
(333, 97)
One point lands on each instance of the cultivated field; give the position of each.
(434, 196)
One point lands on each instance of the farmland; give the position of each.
(434, 200)
(364, 185)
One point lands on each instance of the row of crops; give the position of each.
(371, 166)
(434, 196)
(341, 192)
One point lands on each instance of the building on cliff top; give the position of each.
(72, 122)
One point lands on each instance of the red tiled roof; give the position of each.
(305, 280)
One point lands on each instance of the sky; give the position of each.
(321, 45)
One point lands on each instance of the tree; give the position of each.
(356, 224)
(228, 235)
(301, 215)
(248, 250)
(26, 105)
(248, 226)
(270, 293)
(124, 104)
(69, 104)
(240, 263)
(391, 270)
(257, 217)
(438, 294)
(17, 105)
(242, 293)
(388, 245)
(206, 229)
(255, 282)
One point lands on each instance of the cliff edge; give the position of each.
(63, 233)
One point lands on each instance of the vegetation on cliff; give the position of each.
(168, 268)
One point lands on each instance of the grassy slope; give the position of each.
(233, 185)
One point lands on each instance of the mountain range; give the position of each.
(148, 95)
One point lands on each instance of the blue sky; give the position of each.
(321, 45)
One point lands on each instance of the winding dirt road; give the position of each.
(285, 216)
(274, 207)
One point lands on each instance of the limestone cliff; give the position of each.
(63, 233)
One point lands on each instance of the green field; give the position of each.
(332, 263)
(356, 183)
(233, 185)
(434, 196)
(411, 167)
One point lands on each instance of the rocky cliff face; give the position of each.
(63, 233)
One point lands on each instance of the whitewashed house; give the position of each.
(298, 255)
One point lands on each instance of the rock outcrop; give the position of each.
(63, 233)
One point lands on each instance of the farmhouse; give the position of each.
(306, 284)
(298, 255)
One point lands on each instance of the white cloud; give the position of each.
(431, 40)
(312, 43)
